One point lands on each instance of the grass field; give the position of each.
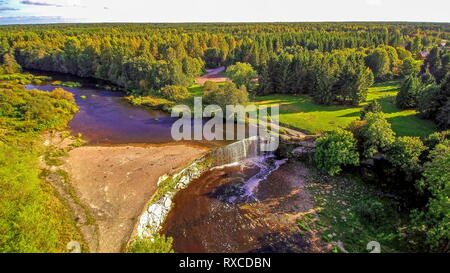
(300, 112)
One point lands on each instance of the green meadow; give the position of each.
(300, 112)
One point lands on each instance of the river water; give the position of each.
(106, 117)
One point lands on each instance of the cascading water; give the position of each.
(230, 208)
(266, 164)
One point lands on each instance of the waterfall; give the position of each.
(246, 151)
(237, 151)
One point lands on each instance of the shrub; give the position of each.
(335, 149)
(155, 244)
(376, 134)
(373, 107)
(435, 138)
(175, 92)
(371, 211)
(404, 153)
(59, 93)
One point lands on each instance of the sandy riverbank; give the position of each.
(115, 182)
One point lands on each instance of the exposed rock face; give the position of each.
(153, 217)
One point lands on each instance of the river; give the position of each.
(243, 207)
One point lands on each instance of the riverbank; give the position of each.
(109, 186)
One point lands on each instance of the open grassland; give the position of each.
(300, 112)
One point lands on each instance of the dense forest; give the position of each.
(333, 63)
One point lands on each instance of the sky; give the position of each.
(78, 11)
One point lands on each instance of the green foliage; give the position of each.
(435, 138)
(226, 94)
(404, 153)
(213, 57)
(71, 84)
(334, 150)
(410, 67)
(241, 73)
(354, 213)
(435, 103)
(155, 244)
(373, 212)
(432, 224)
(372, 107)
(8, 64)
(376, 135)
(409, 94)
(378, 61)
(443, 117)
(175, 93)
(32, 218)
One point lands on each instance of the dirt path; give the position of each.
(212, 75)
(116, 182)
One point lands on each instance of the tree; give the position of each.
(432, 223)
(443, 117)
(376, 135)
(334, 150)
(410, 67)
(378, 62)
(9, 64)
(175, 92)
(409, 94)
(226, 94)
(213, 57)
(241, 74)
(352, 84)
(434, 103)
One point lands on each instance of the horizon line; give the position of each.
(220, 22)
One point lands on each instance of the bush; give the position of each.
(372, 212)
(435, 138)
(404, 153)
(155, 244)
(59, 93)
(175, 92)
(335, 149)
(372, 107)
(376, 135)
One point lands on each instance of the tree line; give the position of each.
(144, 57)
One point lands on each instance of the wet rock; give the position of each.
(303, 153)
